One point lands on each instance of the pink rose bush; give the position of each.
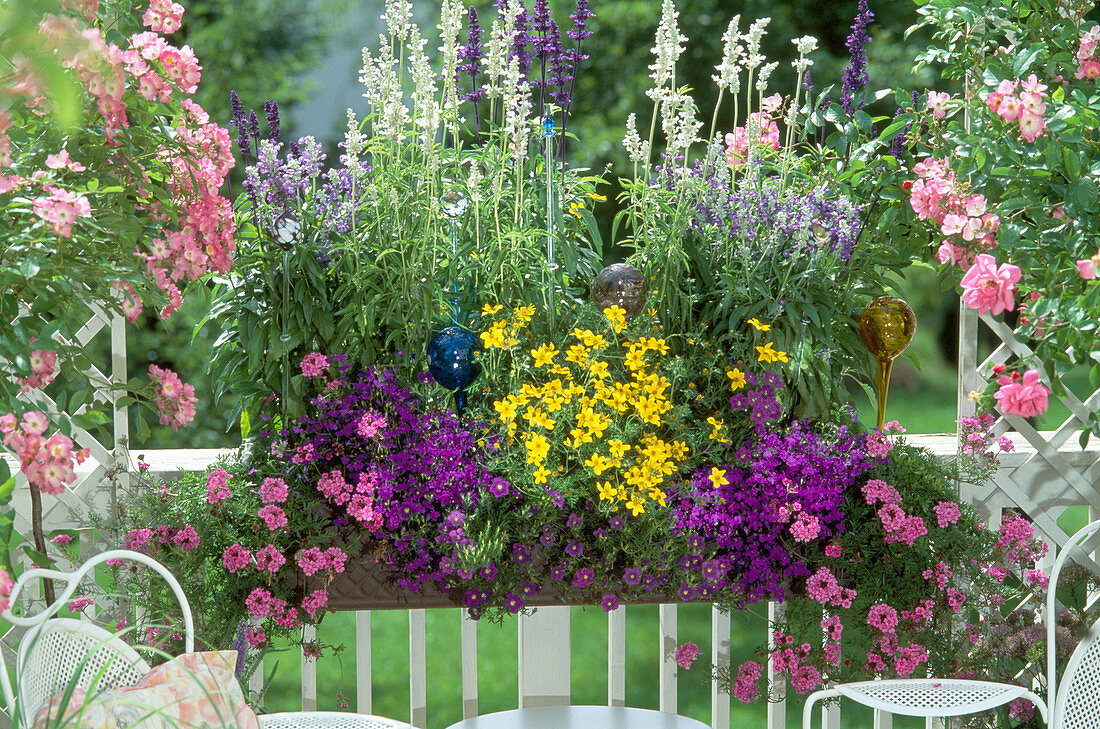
(990, 288)
(963, 219)
(1021, 395)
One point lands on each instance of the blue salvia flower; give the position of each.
(855, 74)
(271, 109)
(520, 42)
(240, 123)
(241, 646)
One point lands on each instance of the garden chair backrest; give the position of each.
(1075, 700)
(55, 651)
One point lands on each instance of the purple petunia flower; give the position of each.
(583, 577)
(513, 602)
(686, 592)
(609, 603)
(574, 521)
(632, 576)
(575, 548)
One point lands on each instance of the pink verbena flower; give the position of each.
(686, 654)
(186, 538)
(806, 527)
(883, 617)
(313, 602)
(746, 687)
(989, 288)
(273, 516)
(876, 490)
(255, 637)
(273, 491)
(314, 364)
(217, 488)
(236, 558)
(947, 512)
(269, 559)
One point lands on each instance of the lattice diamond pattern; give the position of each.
(1054, 473)
(1079, 689)
(85, 494)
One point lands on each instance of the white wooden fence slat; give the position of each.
(469, 665)
(666, 617)
(883, 719)
(418, 683)
(719, 658)
(777, 686)
(544, 657)
(616, 657)
(363, 679)
(309, 672)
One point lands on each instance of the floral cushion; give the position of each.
(192, 691)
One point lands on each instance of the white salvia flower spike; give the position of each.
(732, 50)
(752, 42)
(765, 74)
(397, 16)
(667, 46)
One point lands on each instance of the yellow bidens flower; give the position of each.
(524, 314)
(759, 326)
(597, 197)
(574, 207)
(544, 355)
(635, 359)
(496, 336)
(490, 309)
(616, 317)
(599, 463)
(607, 491)
(768, 353)
(537, 448)
(718, 477)
(717, 424)
(541, 474)
(737, 378)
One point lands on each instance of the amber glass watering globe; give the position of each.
(886, 326)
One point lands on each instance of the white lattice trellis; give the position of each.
(1049, 472)
(86, 494)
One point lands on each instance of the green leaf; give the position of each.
(28, 268)
(39, 559)
(1084, 438)
(246, 426)
(7, 487)
(90, 419)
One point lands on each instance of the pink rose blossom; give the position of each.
(1087, 268)
(5, 591)
(1025, 398)
(989, 288)
(936, 103)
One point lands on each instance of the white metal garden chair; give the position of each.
(54, 650)
(1072, 703)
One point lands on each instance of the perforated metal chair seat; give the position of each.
(933, 697)
(328, 720)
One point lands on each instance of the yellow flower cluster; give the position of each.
(564, 422)
(502, 334)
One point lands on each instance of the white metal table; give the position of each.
(580, 717)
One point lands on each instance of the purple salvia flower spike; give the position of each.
(855, 74)
(271, 109)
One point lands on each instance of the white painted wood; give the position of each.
(469, 665)
(719, 658)
(256, 682)
(544, 657)
(777, 686)
(616, 657)
(418, 681)
(666, 617)
(309, 672)
(883, 720)
(364, 694)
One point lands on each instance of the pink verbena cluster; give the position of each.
(906, 660)
(262, 604)
(968, 228)
(790, 659)
(185, 538)
(43, 370)
(358, 499)
(975, 438)
(217, 486)
(314, 364)
(899, 526)
(314, 559)
(1088, 65)
(1026, 108)
(746, 687)
(685, 655)
(273, 491)
(47, 463)
(175, 401)
(823, 587)
(1017, 538)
